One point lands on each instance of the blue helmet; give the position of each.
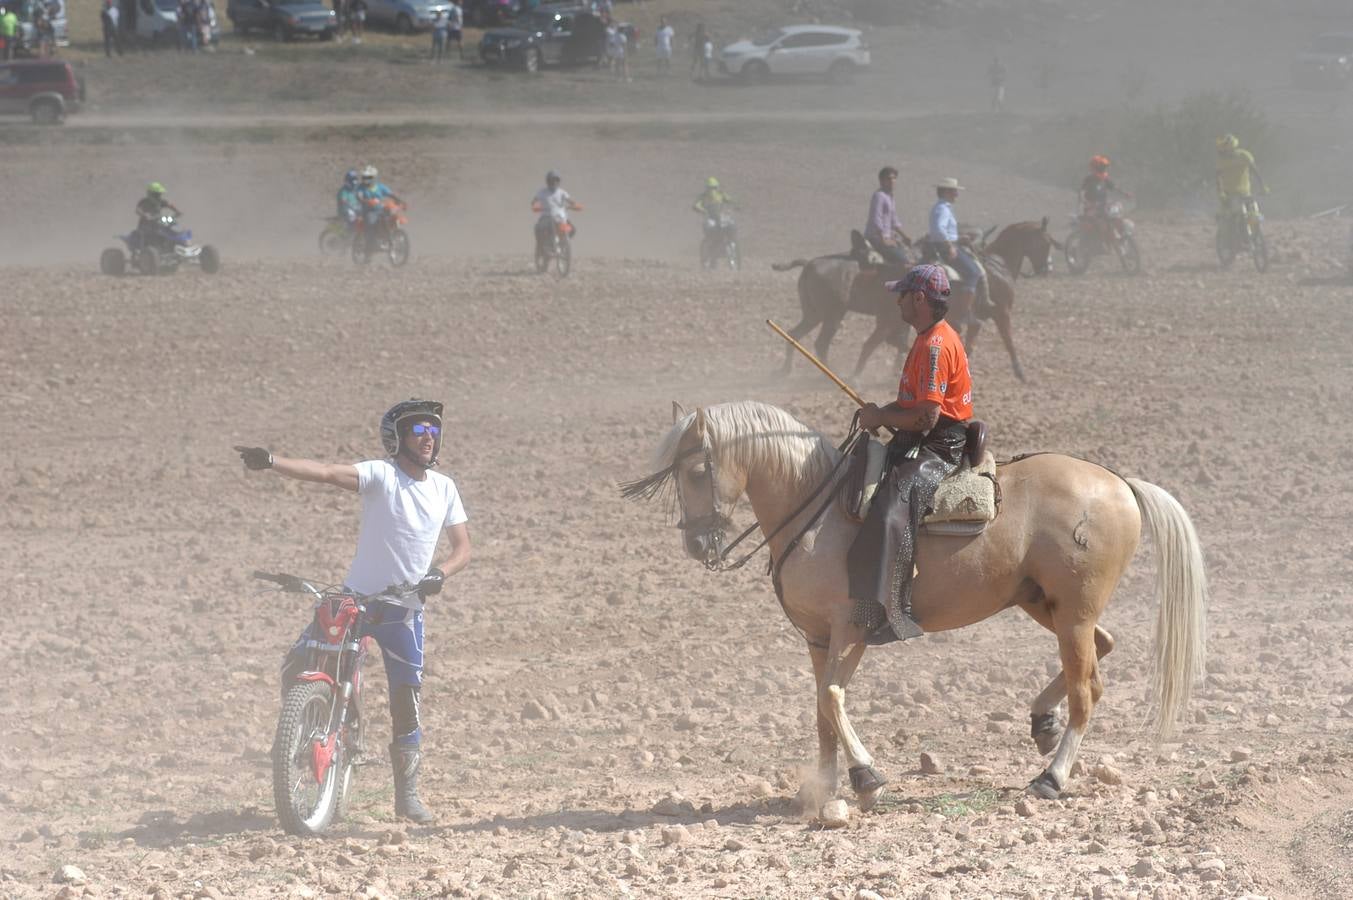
(350, 179)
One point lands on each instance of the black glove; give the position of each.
(255, 458)
(432, 582)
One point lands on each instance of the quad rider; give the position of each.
(1096, 188)
(149, 209)
(406, 507)
(349, 204)
(883, 230)
(930, 416)
(1234, 168)
(553, 203)
(943, 239)
(371, 197)
(710, 204)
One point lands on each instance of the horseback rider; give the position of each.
(930, 416)
(405, 508)
(943, 237)
(884, 229)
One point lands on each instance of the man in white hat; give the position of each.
(944, 236)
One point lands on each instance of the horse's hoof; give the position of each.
(1044, 788)
(864, 779)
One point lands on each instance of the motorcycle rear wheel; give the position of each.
(1129, 256)
(1077, 259)
(305, 805)
(398, 249)
(1259, 248)
(332, 241)
(359, 254)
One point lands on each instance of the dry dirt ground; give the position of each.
(605, 718)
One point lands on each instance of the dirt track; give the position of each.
(604, 717)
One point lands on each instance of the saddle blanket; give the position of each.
(968, 495)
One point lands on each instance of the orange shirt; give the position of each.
(936, 371)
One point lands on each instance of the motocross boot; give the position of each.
(405, 759)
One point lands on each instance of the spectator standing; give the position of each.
(206, 22)
(662, 42)
(112, 34)
(616, 45)
(996, 78)
(439, 29)
(357, 17)
(9, 31)
(44, 34)
(455, 26)
(187, 26)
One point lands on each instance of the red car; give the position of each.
(45, 89)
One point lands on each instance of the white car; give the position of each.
(827, 50)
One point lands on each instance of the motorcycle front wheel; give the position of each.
(399, 247)
(307, 801)
(563, 257)
(1077, 258)
(1259, 248)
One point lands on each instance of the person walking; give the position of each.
(112, 33)
(662, 43)
(439, 32)
(357, 19)
(455, 28)
(9, 31)
(702, 52)
(406, 508)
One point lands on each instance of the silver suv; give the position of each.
(405, 16)
(827, 50)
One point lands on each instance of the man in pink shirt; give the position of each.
(884, 229)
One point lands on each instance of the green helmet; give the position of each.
(712, 183)
(1227, 142)
(155, 189)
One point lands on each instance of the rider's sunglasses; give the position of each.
(421, 430)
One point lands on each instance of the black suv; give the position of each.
(554, 35)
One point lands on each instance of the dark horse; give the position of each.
(831, 286)
(1021, 241)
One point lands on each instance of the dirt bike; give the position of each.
(336, 237)
(1095, 235)
(159, 247)
(554, 244)
(1239, 230)
(720, 241)
(389, 236)
(319, 739)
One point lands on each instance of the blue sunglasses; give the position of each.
(421, 430)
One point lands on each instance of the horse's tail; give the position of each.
(1043, 227)
(1181, 592)
(792, 264)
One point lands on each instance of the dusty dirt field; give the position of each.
(604, 717)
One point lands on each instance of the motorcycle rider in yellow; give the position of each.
(1234, 167)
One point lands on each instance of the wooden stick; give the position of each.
(821, 366)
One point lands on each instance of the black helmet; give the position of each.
(410, 409)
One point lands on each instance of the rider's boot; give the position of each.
(405, 759)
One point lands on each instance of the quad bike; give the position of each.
(1093, 236)
(1239, 230)
(554, 245)
(319, 739)
(388, 236)
(720, 241)
(159, 247)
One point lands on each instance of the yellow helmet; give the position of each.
(1227, 142)
(712, 183)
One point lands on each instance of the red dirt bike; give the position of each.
(389, 238)
(554, 243)
(1094, 235)
(319, 732)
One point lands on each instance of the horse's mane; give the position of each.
(751, 435)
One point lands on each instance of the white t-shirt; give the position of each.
(401, 522)
(455, 18)
(553, 203)
(663, 39)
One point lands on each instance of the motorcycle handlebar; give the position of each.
(290, 584)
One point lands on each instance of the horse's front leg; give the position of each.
(821, 786)
(844, 652)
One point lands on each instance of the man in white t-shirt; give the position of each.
(406, 507)
(662, 42)
(553, 203)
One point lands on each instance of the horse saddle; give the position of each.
(966, 501)
(870, 260)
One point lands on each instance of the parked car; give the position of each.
(285, 20)
(157, 21)
(405, 16)
(827, 50)
(558, 35)
(489, 13)
(45, 89)
(1328, 62)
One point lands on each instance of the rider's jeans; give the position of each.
(967, 267)
(398, 631)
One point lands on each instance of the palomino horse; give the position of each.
(831, 286)
(1066, 532)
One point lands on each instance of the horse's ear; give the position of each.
(678, 412)
(700, 422)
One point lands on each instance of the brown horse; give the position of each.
(1066, 532)
(1021, 241)
(831, 286)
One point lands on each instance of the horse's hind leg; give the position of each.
(1001, 313)
(807, 323)
(843, 656)
(1080, 671)
(882, 331)
(1043, 725)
